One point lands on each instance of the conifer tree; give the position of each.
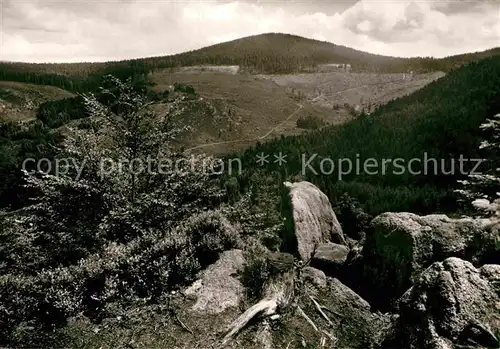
(483, 189)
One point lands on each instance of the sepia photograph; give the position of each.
(250, 174)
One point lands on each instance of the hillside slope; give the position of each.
(241, 110)
(441, 120)
(19, 101)
(367, 90)
(267, 53)
(233, 112)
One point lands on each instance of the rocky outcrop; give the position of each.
(451, 305)
(401, 245)
(314, 221)
(217, 289)
(353, 325)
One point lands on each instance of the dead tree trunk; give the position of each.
(278, 293)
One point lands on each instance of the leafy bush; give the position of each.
(260, 268)
(254, 276)
(184, 88)
(142, 269)
(59, 112)
(89, 238)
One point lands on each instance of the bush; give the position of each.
(184, 88)
(145, 268)
(84, 242)
(254, 276)
(260, 268)
(311, 122)
(351, 216)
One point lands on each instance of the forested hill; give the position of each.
(266, 53)
(442, 120)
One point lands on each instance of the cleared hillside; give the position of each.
(233, 112)
(20, 101)
(366, 90)
(229, 111)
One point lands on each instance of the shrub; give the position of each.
(254, 276)
(311, 122)
(184, 88)
(83, 242)
(351, 216)
(145, 268)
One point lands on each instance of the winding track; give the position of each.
(300, 107)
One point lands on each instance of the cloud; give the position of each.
(425, 26)
(88, 30)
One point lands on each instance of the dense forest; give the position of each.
(79, 81)
(267, 53)
(440, 121)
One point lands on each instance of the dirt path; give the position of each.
(281, 123)
(300, 107)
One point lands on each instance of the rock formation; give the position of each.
(402, 245)
(217, 289)
(452, 304)
(314, 221)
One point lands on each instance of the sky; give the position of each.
(93, 30)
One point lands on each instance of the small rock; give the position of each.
(218, 289)
(314, 276)
(330, 257)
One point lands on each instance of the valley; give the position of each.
(272, 256)
(246, 109)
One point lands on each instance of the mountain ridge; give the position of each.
(269, 52)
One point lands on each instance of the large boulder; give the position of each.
(353, 324)
(401, 245)
(451, 305)
(217, 289)
(314, 221)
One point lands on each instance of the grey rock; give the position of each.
(330, 257)
(314, 221)
(452, 304)
(217, 289)
(402, 245)
(314, 276)
(347, 296)
(355, 325)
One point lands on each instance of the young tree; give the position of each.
(483, 189)
(118, 180)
